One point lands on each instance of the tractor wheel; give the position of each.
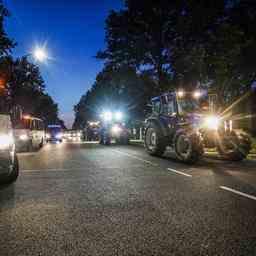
(154, 141)
(187, 147)
(234, 147)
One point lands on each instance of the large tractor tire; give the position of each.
(188, 147)
(154, 141)
(234, 147)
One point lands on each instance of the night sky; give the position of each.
(72, 31)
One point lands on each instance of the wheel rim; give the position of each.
(183, 146)
(151, 139)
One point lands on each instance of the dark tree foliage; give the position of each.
(179, 44)
(25, 88)
(114, 89)
(6, 44)
(185, 43)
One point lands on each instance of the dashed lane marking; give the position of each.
(238, 192)
(179, 172)
(135, 157)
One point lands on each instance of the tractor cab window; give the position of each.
(188, 105)
(168, 104)
(156, 106)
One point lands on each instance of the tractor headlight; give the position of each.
(23, 137)
(212, 122)
(118, 116)
(116, 129)
(107, 116)
(6, 140)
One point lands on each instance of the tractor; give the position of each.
(113, 127)
(185, 122)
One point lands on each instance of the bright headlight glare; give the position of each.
(116, 129)
(180, 94)
(197, 94)
(59, 136)
(48, 136)
(23, 137)
(107, 116)
(118, 115)
(212, 122)
(5, 141)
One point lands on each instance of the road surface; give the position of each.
(88, 199)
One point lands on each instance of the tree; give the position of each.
(114, 89)
(180, 47)
(139, 36)
(6, 44)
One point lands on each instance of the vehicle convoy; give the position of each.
(54, 133)
(183, 121)
(9, 166)
(113, 128)
(29, 133)
(72, 135)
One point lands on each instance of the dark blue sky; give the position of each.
(73, 32)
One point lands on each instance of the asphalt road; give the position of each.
(88, 199)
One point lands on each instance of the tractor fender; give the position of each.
(162, 126)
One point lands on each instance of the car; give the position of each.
(54, 133)
(183, 121)
(72, 136)
(29, 133)
(9, 166)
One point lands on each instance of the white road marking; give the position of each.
(136, 157)
(238, 192)
(52, 170)
(179, 172)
